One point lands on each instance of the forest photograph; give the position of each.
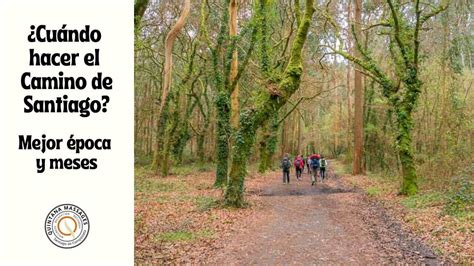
(304, 132)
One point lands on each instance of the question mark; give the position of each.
(106, 100)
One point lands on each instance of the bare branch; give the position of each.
(381, 24)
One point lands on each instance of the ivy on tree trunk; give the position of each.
(268, 144)
(252, 118)
(402, 91)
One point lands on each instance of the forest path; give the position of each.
(327, 223)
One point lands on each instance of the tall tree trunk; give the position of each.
(182, 136)
(185, 105)
(270, 130)
(337, 120)
(201, 137)
(298, 145)
(443, 86)
(368, 113)
(357, 167)
(223, 106)
(348, 80)
(405, 151)
(252, 118)
(161, 126)
(264, 149)
(223, 136)
(167, 78)
(234, 97)
(169, 41)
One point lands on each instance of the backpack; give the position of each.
(298, 163)
(315, 162)
(323, 163)
(286, 164)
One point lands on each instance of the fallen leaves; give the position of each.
(451, 237)
(179, 219)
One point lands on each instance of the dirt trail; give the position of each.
(323, 224)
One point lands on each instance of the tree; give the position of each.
(402, 91)
(227, 73)
(139, 9)
(348, 78)
(252, 118)
(163, 142)
(357, 167)
(234, 96)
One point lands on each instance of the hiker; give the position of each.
(314, 168)
(285, 166)
(322, 170)
(299, 166)
(308, 163)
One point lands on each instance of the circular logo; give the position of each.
(66, 226)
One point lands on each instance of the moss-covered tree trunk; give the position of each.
(182, 134)
(252, 118)
(184, 109)
(405, 125)
(201, 137)
(170, 127)
(405, 152)
(200, 148)
(222, 137)
(226, 82)
(165, 152)
(222, 103)
(263, 150)
(203, 133)
(268, 144)
(157, 162)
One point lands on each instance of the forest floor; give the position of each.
(179, 219)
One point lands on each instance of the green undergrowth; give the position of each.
(178, 170)
(187, 169)
(147, 181)
(373, 191)
(424, 200)
(460, 198)
(340, 168)
(174, 189)
(184, 236)
(456, 199)
(204, 203)
(156, 185)
(173, 192)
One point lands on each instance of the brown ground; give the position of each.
(322, 224)
(296, 224)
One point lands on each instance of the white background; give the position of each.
(105, 194)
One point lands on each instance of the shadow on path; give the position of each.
(327, 223)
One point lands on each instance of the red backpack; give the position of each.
(298, 163)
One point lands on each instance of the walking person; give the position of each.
(308, 163)
(314, 168)
(285, 166)
(299, 166)
(322, 170)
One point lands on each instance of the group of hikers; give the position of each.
(316, 165)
